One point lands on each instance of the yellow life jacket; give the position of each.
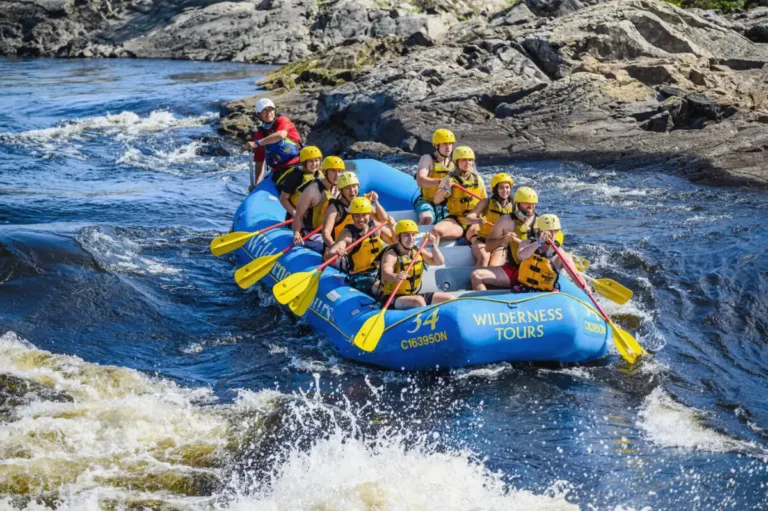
(410, 286)
(537, 272)
(492, 213)
(343, 218)
(521, 234)
(365, 255)
(460, 203)
(439, 171)
(307, 178)
(314, 217)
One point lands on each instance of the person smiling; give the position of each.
(276, 142)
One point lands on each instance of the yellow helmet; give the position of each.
(463, 153)
(502, 177)
(443, 136)
(333, 163)
(526, 194)
(404, 226)
(548, 222)
(360, 206)
(347, 179)
(309, 153)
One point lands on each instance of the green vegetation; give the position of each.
(723, 5)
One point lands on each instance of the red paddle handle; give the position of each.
(305, 238)
(350, 247)
(578, 280)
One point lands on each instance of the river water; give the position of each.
(135, 374)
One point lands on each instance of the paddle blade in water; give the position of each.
(628, 347)
(612, 290)
(368, 337)
(581, 264)
(292, 286)
(229, 242)
(256, 270)
(303, 302)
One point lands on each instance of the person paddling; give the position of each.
(362, 261)
(293, 180)
(397, 258)
(460, 203)
(487, 213)
(507, 233)
(431, 170)
(313, 202)
(276, 142)
(540, 265)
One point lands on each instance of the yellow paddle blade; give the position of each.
(303, 302)
(256, 270)
(581, 264)
(229, 242)
(368, 337)
(612, 290)
(292, 286)
(628, 347)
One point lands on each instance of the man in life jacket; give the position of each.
(487, 213)
(397, 258)
(291, 183)
(313, 202)
(540, 266)
(338, 216)
(431, 170)
(276, 142)
(362, 261)
(507, 234)
(458, 202)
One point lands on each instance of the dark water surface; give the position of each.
(135, 374)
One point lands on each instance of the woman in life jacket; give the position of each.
(540, 266)
(431, 170)
(336, 216)
(313, 202)
(293, 180)
(396, 259)
(487, 213)
(458, 202)
(507, 234)
(361, 263)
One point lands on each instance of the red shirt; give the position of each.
(281, 123)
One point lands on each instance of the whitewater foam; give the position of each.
(119, 254)
(668, 423)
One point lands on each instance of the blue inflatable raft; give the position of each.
(475, 328)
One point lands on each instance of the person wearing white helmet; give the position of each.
(276, 142)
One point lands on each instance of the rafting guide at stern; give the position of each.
(276, 142)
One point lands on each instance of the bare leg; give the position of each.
(448, 229)
(440, 297)
(481, 256)
(498, 257)
(425, 218)
(494, 277)
(409, 302)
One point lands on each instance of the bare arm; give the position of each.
(503, 231)
(306, 201)
(270, 139)
(329, 220)
(434, 256)
(258, 171)
(285, 201)
(422, 173)
(477, 211)
(388, 267)
(526, 250)
(340, 246)
(379, 214)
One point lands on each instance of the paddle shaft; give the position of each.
(281, 224)
(394, 291)
(350, 247)
(305, 238)
(581, 283)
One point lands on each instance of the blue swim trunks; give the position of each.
(438, 212)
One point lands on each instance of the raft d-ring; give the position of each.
(446, 286)
(512, 305)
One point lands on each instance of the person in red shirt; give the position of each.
(276, 142)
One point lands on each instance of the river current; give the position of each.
(135, 374)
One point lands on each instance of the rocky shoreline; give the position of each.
(632, 83)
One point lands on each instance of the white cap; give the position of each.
(264, 103)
